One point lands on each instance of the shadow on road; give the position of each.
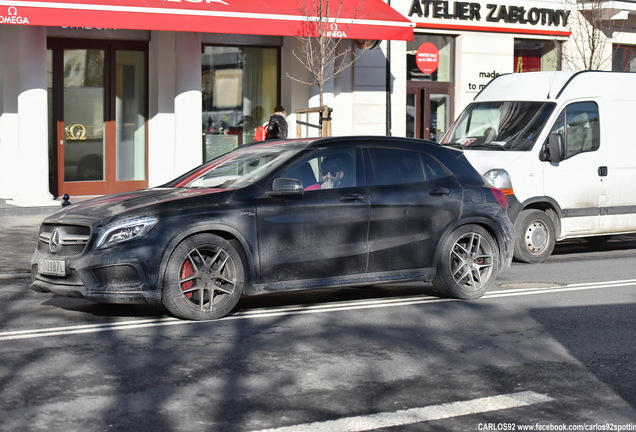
(601, 338)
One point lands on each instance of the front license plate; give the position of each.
(52, 267)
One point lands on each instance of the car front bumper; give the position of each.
(126, 273)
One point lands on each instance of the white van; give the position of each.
(562, 146)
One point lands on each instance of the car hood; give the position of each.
(109, 206)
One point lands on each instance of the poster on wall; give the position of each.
(427, 58)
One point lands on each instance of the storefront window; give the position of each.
(536, 55)
(443, 72)
(240, 91)
(624, 59)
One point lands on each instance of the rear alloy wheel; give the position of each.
(204, 278)
(535, 236)
(469, 263)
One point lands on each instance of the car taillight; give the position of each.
(500, 197)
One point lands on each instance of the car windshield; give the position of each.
(237, 168)
(499, 125)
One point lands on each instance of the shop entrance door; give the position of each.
(99, 95)
(428, 110)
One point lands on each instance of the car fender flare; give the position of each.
(225, 231)
(485, 223)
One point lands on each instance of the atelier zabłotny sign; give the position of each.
(492, 13)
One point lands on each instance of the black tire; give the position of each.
(204, 278)
(535, 236)
(468, 264)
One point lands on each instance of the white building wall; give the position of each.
(161, 122)
(24, 131)
(369, 94)
(8, 111)
(479, 58)
(344, 103)
(295, 93)
(398, 84)
(174, 126)
(357, 96)
(188, 103)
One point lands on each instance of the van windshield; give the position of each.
(509, 125)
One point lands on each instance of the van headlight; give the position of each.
(124, 230)
(500, 179)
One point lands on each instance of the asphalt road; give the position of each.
(551, 347)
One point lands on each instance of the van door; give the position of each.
(574, 183)
(617, 173)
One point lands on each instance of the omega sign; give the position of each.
(13, 17)
(470, 11)
(334, 32)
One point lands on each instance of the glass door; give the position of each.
(99, 112)
(82, 144)
(428, 112)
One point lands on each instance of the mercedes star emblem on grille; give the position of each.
(55, 244)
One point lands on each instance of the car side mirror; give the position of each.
(286, 187)
(555, 148)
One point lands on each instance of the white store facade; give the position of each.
(474, 41)
(108, 96)
(108, 100)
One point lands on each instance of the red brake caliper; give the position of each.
(186, 271)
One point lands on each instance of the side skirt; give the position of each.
(425, 274)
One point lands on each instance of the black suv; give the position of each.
(283, 215)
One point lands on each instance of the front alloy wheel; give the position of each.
(469, 263)
(204, 278)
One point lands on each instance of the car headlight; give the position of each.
(500, 179)
(125, 230)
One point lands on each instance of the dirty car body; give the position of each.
(260, 219)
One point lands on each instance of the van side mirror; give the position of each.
(555, 148)
(286, 187)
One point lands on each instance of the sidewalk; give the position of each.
(10, 210)
(19, 227)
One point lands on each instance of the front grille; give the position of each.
(117, 276)
(63, 240)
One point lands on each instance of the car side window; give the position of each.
(578, 124)
(394, 166)
(432, 169)
(327, 169)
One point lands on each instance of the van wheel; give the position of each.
(534, 236)
(204, 278)
(468, 264)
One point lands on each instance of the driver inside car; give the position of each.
(332, 174)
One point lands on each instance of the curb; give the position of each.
(15, 275)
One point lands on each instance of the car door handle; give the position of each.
(351, 197)
(439, 191)
(602, 171)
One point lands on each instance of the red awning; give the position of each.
(355, 19)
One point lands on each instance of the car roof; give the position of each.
(348, 139)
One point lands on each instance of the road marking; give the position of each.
(296, 310)
(419, 415)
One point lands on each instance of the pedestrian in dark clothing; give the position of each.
(277, 125)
